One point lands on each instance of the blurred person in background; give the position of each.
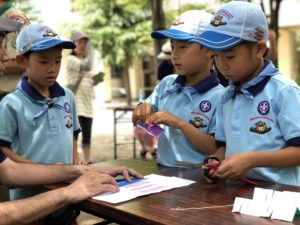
(79, 79)
(12, 73)
(165, 67)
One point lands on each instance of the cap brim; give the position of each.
(173, 34)
(216, 41)
(52, 43)
(9, 25)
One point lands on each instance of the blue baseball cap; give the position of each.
(9, 25)
(233, 23)
(188, 25)
(38, 37)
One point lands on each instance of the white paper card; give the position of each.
(152, 183)
(269, 203)
(286, 205)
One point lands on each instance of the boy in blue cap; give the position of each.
(257, 128)
(38, 121)
(89, 181)
(184, 103)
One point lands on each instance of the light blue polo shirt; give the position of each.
(195, 104)
(262, 116)
(37, 128)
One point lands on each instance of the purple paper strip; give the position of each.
(151, 129)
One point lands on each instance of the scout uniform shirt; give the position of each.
(262, 116)
(195, 104)
(38, 128)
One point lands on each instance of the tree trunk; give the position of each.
(158, 23)
(127, 83)
(274, 6)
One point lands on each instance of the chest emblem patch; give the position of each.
(263, 107)
(69, 124)
(205, 106)
(198, 122)
(260, 128)
(67, 107)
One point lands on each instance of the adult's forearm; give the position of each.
(34, 208)
(39, 174)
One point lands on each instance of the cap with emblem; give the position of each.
(233, 23)
(38, 37)
(188, 25)
(9, 25)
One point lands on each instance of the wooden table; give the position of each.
(156, 208)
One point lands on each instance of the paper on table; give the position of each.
(266, 203)
(152, 183)
(287, 206)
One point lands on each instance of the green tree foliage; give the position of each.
(118, 28)
(27, 9)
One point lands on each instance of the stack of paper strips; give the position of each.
(269, 203)
(152, 183)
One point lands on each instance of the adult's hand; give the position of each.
(122, 170)
(90, 184)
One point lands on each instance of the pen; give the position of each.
(215, 167)
(124, 182)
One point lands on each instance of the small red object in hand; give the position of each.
(215, 167)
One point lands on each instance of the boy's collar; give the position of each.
(255, 89)
(254, 86)
(257, 84)
(55, 90)
(202, 86)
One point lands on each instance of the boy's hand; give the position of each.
(142, 112)
(209, 168)
(166, 118)
(235, 166)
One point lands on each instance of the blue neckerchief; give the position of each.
(201, 87)
(55, 91)
(254, 86)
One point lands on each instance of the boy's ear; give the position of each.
(261, 48)
(20, 60)
(209, 53)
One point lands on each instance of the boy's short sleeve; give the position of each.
(8, 123)
(219, 127)
(288, 104)
(153, 99)
(212, 125)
